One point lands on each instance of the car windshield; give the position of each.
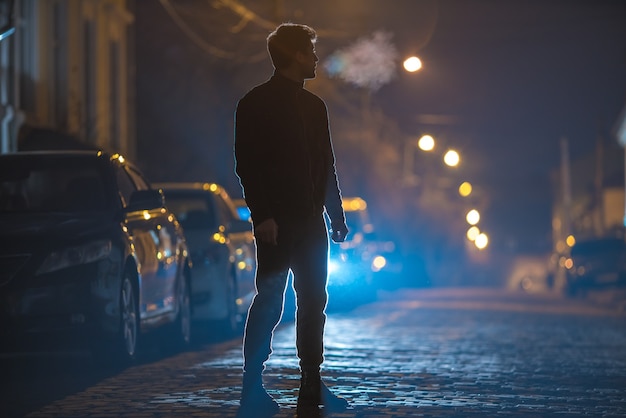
(51, 185)
(193, 211)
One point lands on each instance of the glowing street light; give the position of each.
(473, 233)
(472, 217)
(426, 143)
(481, 241)
(452, 158)
(412, 64)
(465, 189)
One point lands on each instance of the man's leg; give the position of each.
(263, 316)
(310, 266)
(310, 270)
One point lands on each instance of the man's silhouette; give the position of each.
(286, 165)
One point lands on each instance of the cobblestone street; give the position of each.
(431, 353)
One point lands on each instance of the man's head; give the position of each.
(292, 48)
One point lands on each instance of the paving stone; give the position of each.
(412, 354)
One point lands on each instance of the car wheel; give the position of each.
(123, 349)
(231, 322)
(129, 317)
(183, 319)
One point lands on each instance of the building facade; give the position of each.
(589, 197)
(67, 75)
(620, 133)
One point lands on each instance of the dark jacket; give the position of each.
(283, 153)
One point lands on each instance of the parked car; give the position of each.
(222, 250)
(88, 254)
(596, 264)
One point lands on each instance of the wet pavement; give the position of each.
(414, 353)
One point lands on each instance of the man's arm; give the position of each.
(250, 164)
(332, 201)
(334, 208)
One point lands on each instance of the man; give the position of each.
(285, 162)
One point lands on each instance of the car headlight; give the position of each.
(73, 256)
(378, 263)
(333, 266)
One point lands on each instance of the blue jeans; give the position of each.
(303, 249)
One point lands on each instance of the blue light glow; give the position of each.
(243, 212)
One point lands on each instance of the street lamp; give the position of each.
(472, 233)
(426, 143)
(481, 241)
(452, 158)
(472, 217)
(412, 64)
(465, 189)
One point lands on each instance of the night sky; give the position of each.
(508, 78)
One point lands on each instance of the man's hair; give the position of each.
(286, 40)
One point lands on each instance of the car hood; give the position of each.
(20, 230)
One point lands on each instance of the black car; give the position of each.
(88, 254)
(596, 264)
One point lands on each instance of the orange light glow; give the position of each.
(426, 143)
(412, 64)
(481, 242)
(452, 158)
(354, 204)
(472, 233)
(472, 217)
(465, 189)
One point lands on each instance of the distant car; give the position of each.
(88, 254)
(596, 264)
(529, 273)
(353, 264)
(222, 250)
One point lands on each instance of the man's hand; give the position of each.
(267, 231)
(339, 231)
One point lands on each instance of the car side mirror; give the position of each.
(238, 226)
(145, 200)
